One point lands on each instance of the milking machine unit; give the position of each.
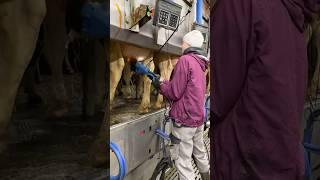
(140, 68)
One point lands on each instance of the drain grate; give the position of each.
(172, 173)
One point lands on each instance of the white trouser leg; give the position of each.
(182, 152)
(199, 151)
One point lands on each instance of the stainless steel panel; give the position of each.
(142, 39)
(136, 139)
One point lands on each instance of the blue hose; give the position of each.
(122, 162)
(199, 12)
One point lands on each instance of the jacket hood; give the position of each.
(200, 55)
(295, 9)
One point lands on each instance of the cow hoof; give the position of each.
(100, 108)
(3, 146)
(143, 110)
(97, 154)
(35, 99)
(127, 97)
(158, 106)
(58, 113)
(127, 93)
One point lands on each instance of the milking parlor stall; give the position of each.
(146, 37)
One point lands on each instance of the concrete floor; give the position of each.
(51, 150)
(55, 149)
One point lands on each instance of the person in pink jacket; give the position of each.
(186, 93)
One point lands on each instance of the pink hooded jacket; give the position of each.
(186, 90)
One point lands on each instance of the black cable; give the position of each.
(188, 3)
(134, 25)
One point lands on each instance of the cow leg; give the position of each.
(316, 77)
(95, 78)
(29, 78)
(139, 87)
(55, 38)
(97, 152)
(166, 68)
(127, 74)
(18, 39)
(316, 45)
(89, 74)
(68, 65)
(308, 33)
(28, 82)
(101, 66)
(208, 81)
(116, 68)
(145, 103)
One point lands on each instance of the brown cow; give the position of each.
(120, 56)
(119, 52)
(20, 22)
